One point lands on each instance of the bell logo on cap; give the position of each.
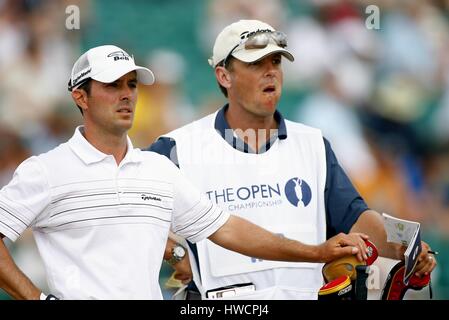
(119, 55)
(106, 64)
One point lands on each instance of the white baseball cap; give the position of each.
(233, 36)
(106, 64)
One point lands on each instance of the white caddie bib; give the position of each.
(281, 190)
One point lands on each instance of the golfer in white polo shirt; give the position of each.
(101, 210)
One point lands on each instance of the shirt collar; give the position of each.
(221, 125)
(89, 154)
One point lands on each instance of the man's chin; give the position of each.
(124, 126)
(269, 109)
(270, 103)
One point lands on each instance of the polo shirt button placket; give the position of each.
(118, 189)
(119, 196)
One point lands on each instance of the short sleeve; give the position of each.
(24, 198)
(195, 217)
(343, 203)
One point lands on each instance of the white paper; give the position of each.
(407, 233)
(399, 230)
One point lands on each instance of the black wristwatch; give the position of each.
(178, 252)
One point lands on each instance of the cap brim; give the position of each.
(252, 55)
(144, 75)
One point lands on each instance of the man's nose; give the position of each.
(271, 69)
(126, 93)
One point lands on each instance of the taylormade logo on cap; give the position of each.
(106, 64)
(248, 34)
(82, 75)
(232, 35)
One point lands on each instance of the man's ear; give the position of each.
(223, 77)
(80, 98)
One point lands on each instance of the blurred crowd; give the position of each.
(380, 95)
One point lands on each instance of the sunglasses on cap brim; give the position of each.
(259, 40)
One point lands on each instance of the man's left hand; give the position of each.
(426, 261)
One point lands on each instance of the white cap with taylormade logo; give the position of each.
(233, 34)
(106, 64)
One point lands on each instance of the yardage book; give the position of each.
(406, 233)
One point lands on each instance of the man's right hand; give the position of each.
(343, 245)
(183, 270)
